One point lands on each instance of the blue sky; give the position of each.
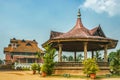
(34, 19)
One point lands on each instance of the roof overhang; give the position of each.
(77, 44)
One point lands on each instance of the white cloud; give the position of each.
(112, 7)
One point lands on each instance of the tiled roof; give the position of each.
(97, 31)
(54, 34)
(72, 39)
(20, 56)
(78, 31)
(22, 46)
(93, 30)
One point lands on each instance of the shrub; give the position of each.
(34, 66)
(48, 58)
(90, 66)
(115, 62)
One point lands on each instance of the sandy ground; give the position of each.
(27, 75)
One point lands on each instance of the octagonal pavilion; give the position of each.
(79, 38)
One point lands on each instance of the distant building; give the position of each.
(22, 51)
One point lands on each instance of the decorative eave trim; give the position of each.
(77, 39)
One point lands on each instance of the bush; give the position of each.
(34, 66)
(48, 58)
(114, 58)
(25, 68)
(38, 68)
(18, 68)
(90, 66)
(44, 68)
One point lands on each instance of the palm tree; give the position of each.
(39, 55)
(79, 57)
(115, 61)
(64, 58)
(98, 56)
(1, 61)
(48, 58)
(70, 58)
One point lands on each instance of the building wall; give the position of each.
(8, 56)
(23, 60)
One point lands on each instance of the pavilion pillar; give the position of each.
(75, 56)
(60, 53)
(105, 53)
(85, 50)
(92, 56)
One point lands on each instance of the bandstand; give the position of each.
(80, 39)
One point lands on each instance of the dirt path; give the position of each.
(27, 75)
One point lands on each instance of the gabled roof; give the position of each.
(22, 46)
(53, 34)
(97, 31)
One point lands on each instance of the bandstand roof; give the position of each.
(73, 39)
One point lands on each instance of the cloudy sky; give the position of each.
(34, 19)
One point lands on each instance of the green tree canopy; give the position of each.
(115, 61)
(49, 59)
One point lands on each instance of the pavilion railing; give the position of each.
(78, 64)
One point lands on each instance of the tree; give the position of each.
(110, 56)
(64, 58)
(70, 58)
(49, 59)
(1, 62)
(115, 61)
(39, 56)
(79, 57)
(98, 56)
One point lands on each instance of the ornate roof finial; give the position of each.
(79, 14)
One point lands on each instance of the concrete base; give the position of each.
(78, 71)
(71, 72)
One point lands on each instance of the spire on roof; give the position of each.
(79, 14)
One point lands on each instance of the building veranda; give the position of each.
(80, 39)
